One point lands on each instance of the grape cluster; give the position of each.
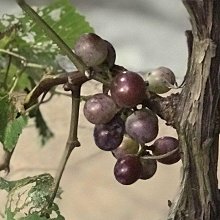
(121, 126)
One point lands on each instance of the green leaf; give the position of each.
(10, 126)
(36, 216)
(4, 111)
(9, 215)
(65, 21)
(33, 216)
(23, 83)
(8, 34)
(33, 44)
(8, 70)
(13, 131)
(6, 185)
(44, 131)
(40, 193)
(28, 198)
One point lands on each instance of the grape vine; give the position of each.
(124, 114)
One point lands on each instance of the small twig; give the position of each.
(43, 101)
(72, 140)
(42, 98)
(36, 66)
(100, 79)
(23, 59)
(50, 81)
(160, 156)
(37, 105)
(142, 150)
(82, 97)
(13, 54)
(85, 97)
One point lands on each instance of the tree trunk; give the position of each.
(198, 117)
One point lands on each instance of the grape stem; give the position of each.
(72, 140)
(82, 97)
(53, 35)
(160, 156)
(49, 81)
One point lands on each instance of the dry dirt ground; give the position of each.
(90, 190)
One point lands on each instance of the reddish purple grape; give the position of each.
(99, 109)
(109, 136)
(164, 145)
(127, 146)
(149, 168)
(128, 169)
(111, 56)
(127, 89)
(142, 126)
(91, 48)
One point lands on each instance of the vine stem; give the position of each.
(53, 35)
(72, 140)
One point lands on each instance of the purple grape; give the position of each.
(99, 109)
(111, 56)
(164, 145)
(91, 48)
(109, 136)
(142, 126)
(127, 89)
(127, 169)
(149, 168)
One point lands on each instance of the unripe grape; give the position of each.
(127, 89)
(109, 136)
(99, 109)
(91, 48)
(164, 145)
(149, 168)
(160, 80)
(127, 169)
(142, 126)
(127, 146)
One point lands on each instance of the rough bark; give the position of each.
(198, 117)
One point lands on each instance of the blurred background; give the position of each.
(146, 34)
